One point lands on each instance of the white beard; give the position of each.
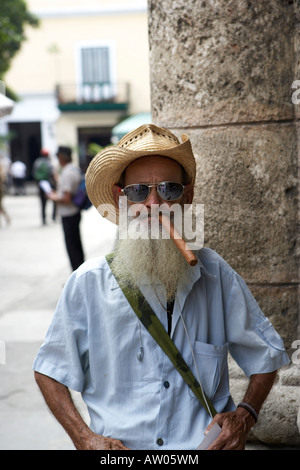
(156, 260)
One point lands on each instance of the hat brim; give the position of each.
(107, 166)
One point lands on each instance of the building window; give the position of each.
(95, 71)
(95, 65)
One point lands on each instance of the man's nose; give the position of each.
(153, 198)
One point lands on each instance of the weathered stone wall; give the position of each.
(222, 72)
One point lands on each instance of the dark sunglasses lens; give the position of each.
(136, 192)
(170, 191)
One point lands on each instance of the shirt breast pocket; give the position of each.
(211, 365)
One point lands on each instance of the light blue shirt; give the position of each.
(94, 339)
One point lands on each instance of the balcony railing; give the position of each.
(93, 96)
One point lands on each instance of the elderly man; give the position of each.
(101, 344)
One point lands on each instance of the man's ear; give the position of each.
(116, 190)
(188, 194)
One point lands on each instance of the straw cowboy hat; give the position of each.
(107, 166)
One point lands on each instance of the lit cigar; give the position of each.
(179, 242)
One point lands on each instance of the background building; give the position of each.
(78, 75)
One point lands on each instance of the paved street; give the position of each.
(34, 268)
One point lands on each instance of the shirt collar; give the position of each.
(196, 273)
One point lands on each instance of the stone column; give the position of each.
(222, 72)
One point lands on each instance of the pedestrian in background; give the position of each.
(67, 185)
(43, 170)
(2, 191)
(18, 173)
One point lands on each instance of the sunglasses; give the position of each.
(167, 190)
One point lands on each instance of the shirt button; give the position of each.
(159, 441)
(166, 384)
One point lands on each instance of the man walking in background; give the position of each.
(68, 183)
(43, 170)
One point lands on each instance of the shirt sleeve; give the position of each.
(65, 184)
(253, 341)
(64, 354)
(69, 180)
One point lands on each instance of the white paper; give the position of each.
(210, 437)
(45, 186)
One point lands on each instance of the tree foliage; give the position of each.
(14, 17)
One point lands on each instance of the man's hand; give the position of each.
(93, 441)
(65, 199)
(235, 427)
(59, 400)
(236, 424)
(52, 196)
